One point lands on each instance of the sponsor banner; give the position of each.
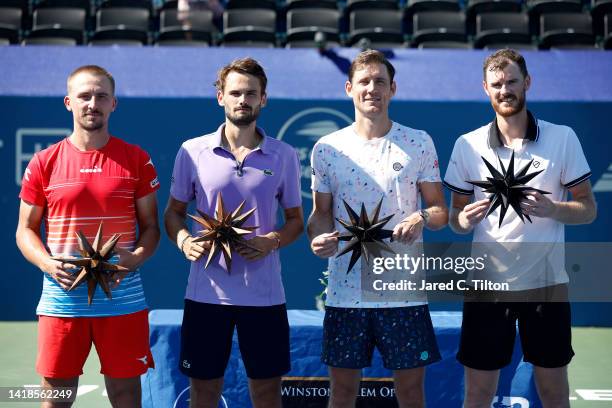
(313, 392)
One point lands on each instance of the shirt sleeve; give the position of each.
(148, 181)
(32, 190)
(182, 185)
(319, 168)
(456, 172)
(429, 170)
(575, 167)
(290, 188)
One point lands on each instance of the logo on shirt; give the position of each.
(397, 166)
(150, 162)
(26, 174)
(143, 360)
(268, 172)
(154, 182)
(536, 164)
(94, 169)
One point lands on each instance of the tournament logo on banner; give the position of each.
(313, 392)
(182, 401)
(303, 129)
(29, 141)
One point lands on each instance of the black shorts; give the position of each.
(488, 331)
(206, 340)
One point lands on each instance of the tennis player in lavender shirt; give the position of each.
(242, 163)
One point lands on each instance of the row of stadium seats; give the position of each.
(309, 27)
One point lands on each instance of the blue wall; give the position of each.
(159, 123)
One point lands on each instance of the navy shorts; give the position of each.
(488, 330)
(404, 337)
(206, 340)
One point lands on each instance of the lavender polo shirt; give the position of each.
(268, 176)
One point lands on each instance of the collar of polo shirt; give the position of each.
(217, 141)
(533, 131)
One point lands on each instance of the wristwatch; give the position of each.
(425, 215)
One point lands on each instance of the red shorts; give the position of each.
(122, 343)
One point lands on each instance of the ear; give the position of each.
(393, 88)
(264, 99)
(348, 88)
(527, 82)
(67, 103)
(220, 98)
(114, 104)
(484, 86)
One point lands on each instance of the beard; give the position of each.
(90, 126)
(515, 104)
(243, 119)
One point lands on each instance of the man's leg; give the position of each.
(51, 383)
(348, 345)
(205, 393)
(263, 337)
(407, 343)
(206, 345)
(553, 386)
(123, 392)
(63, 346)
(488, 331)
(480, 387)
(344, 386)
(410, 387)
(122, 343)
(265, 393)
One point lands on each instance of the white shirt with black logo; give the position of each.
(554, 149)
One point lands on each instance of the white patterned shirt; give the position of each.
(358, 170)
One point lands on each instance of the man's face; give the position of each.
(507, 89)
(90, 99)
(371, 90)
(241, 98)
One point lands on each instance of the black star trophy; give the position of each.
(94, 265)
(225, 231)
(507, 188)
(364, 234)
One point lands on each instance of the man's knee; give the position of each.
(52, 383)
(266, 393)
(123, 392)
(205, 393)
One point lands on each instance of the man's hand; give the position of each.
(59, 271)
(539, 205)
(408, 230)
(325, 245)
(194, 250)
(264, 244)
(473, 213)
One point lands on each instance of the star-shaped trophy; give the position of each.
(225, 230)
(93, 264)
(365, 234)
(508, 189)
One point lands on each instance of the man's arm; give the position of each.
(464, 214)
(31, 246)
(176, 228)
(323, 238)
(289, 232)
(435, 217)
(581, 209)
(148, 234)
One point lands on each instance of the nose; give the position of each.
(93, 102)
(370, 86)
